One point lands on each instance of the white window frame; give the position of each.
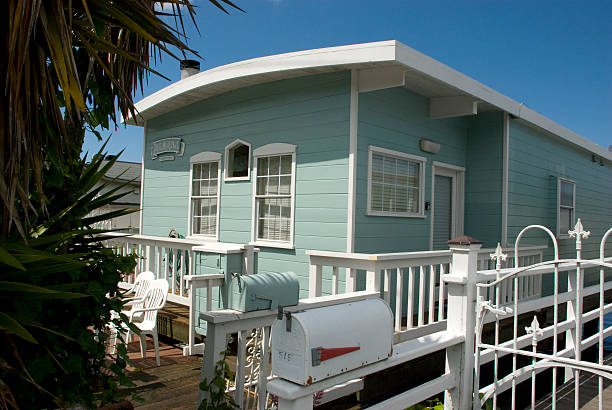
(422, 161)
(204, 157)
(573, 222)
(269, 150)
(226, 178)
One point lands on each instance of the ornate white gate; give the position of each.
(506, 365)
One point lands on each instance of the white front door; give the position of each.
(447, 204)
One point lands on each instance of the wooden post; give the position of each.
(373, 280)
(213, 353)
(315, 281)
(461, 319)
(192, 315)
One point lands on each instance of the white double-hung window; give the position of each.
(396, 182)
(274, 186)
(204, 194)
(566, 200)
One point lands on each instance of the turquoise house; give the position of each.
(364, 148)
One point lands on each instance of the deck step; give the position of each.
(173, 322)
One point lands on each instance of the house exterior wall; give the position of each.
(396, 119)
(484, 178)
(311, 112)
(536, 161)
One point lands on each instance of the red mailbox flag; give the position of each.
(320, 354)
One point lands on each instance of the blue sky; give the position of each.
(554, 56)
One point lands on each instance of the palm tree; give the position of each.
(66, 66)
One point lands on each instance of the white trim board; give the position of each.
(381, 54)
(505, 176)
(352, 161)
(142, 176)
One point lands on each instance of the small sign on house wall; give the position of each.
(166, 148)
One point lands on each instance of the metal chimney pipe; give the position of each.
(189, 68)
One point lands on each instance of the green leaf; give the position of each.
(8, 259)
(21, 290)
(10, 325)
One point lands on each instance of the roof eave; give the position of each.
(271, 68)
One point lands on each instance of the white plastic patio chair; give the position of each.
(154, 300)
(139, 290)
(140, 286)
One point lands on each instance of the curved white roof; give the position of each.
(424, 75)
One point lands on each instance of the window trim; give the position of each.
(422, 161)
(203, 157)
(268, 150)
(573, 222)
(226, 178)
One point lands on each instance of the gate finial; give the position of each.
(534, 330)
(498, 256)
(579, 233)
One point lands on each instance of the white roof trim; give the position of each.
(367, 55)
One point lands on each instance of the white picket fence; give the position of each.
(457, 277)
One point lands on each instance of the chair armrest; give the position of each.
(131, 313)
(133, 301)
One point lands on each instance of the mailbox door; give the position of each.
(289, 352)
(335, 339)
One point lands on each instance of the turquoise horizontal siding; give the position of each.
(537, 160)
(484, 178)
(312, 113)
(397, 119)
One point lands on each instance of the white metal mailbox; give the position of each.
(315, 344)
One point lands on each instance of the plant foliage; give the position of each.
(215, 396)
(54, 297)
(65, 66)
(68, 66)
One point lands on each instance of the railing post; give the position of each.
(461, 319)
(249, 259)
(213, 352)
(192, 313)
(315, 280)
(373, 280)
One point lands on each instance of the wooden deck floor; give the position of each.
(173, 385)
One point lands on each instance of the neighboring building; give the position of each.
(127, 174)
(363, 148)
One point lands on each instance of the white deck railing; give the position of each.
(173, 259)
(414, 280)
(421, 271)
(465, 290)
